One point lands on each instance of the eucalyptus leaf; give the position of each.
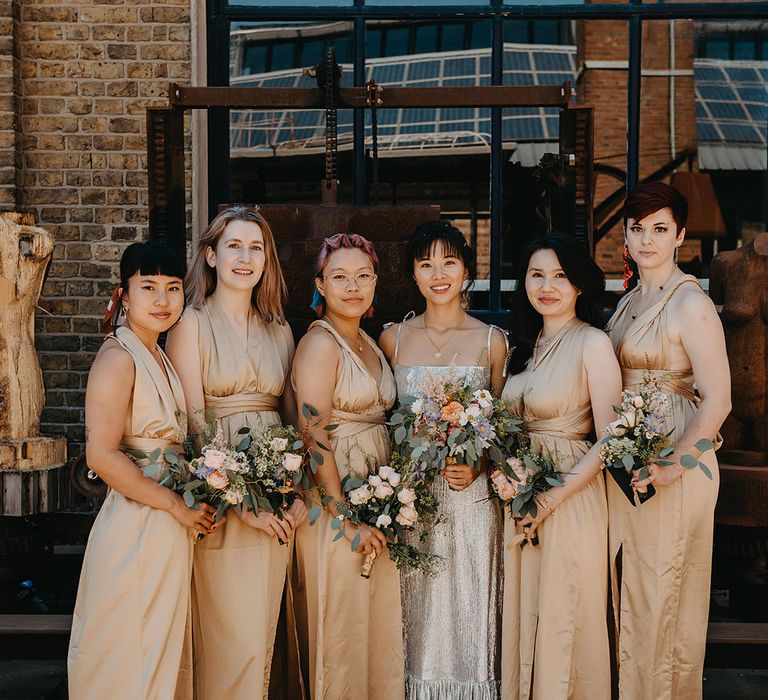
(155, 454)
(336, 523)
(689, 461)
(552, 481)
(305, 410)
(189, 499)
(666, 452)
(338, 536)
(628, 462)
(297, 445)
(704, 445)
(400, 433)
(313, 411)
(314, 514)
(245, 429)
(242, 446)
(171, 457)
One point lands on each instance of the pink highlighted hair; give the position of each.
(329, 246)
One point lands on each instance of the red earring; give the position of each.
(628, 272)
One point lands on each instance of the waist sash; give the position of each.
(149, 445)
(349, 424)
(566, 427)
(247, 402)
(677, 381)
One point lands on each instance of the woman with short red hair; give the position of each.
(666, 329)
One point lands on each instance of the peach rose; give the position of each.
(506, 490)
(217, 480)
(214, 459)
(452, 412)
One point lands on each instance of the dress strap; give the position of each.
(409, 315)
(506, 345)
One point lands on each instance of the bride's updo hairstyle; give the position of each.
(582, 272)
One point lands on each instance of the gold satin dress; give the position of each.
(351, 643)
(239, 572)
(130, 618)
(554, 628)
(661, 598)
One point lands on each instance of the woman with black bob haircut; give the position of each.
(451, 649)
(563, 380)
(130, 618)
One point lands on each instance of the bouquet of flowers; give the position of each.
(639, 437)
(394, 498)
(277, 460)
(451, 421)
(519, 479)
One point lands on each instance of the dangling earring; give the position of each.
(677, 253)
(628, 271)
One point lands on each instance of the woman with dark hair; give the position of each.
(564, 379)
(128, 627)
(452, 619)
(661, 551)
(352, 640)
(233, 352)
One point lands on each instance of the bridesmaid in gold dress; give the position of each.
(661, 551)
(233, 351)
(132, 605)
(353, 635)
(565, 378)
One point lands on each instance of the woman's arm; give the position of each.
(288, 412)
(603, 377)
(701, 335)
(498, 360)
(387, 341)
(314, 375)
(107, 403)
(183, 350)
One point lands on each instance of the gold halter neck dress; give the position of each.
(661, 596)
(239, 572)
(554, 629)
(352, 639)
(130, 618)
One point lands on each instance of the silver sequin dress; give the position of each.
(452, 622)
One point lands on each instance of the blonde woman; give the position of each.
(233, 350)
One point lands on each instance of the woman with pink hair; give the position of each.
(351, 642)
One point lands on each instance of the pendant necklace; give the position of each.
(438, 354)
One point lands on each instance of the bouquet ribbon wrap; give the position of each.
(370, 560)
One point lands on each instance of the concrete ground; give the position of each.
(46, 680)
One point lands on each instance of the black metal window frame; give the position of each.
(221, 13)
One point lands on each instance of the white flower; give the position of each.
(469, 414)
(374, 480)
(292, 462)
(617, 428)
(360, 496)
(383, 521)
(233, 497)
(638, 402)
(628, 418)
(407, 516)
(406, 496)
(383, 491)
(385, 472)
(214, 459)
(484, 398)
(279, 444)
(394, 479)
(416, 406)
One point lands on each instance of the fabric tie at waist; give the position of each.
(349, 424)
(247, 402)
(566, 427)
(676, 381)
(149, 445)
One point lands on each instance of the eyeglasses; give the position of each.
(363, 279)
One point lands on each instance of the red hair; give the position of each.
(650, 197)
(329, 246)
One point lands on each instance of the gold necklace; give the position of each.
(439, 348)
(357, 343)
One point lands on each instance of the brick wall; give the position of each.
(606, 89)
(86, 71)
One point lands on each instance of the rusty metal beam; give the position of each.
(165, 154)
(355, 98)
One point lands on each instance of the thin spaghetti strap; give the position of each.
(506, 345)
(410, 314)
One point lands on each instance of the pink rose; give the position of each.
(214, 459)
(407, 516)
(506, 490)
(292, 462)
(406, 496)
(233, 497)
(217, 480)
(518, 467)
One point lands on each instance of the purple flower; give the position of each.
(484, 428)
(431, 409)
(654, 424)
